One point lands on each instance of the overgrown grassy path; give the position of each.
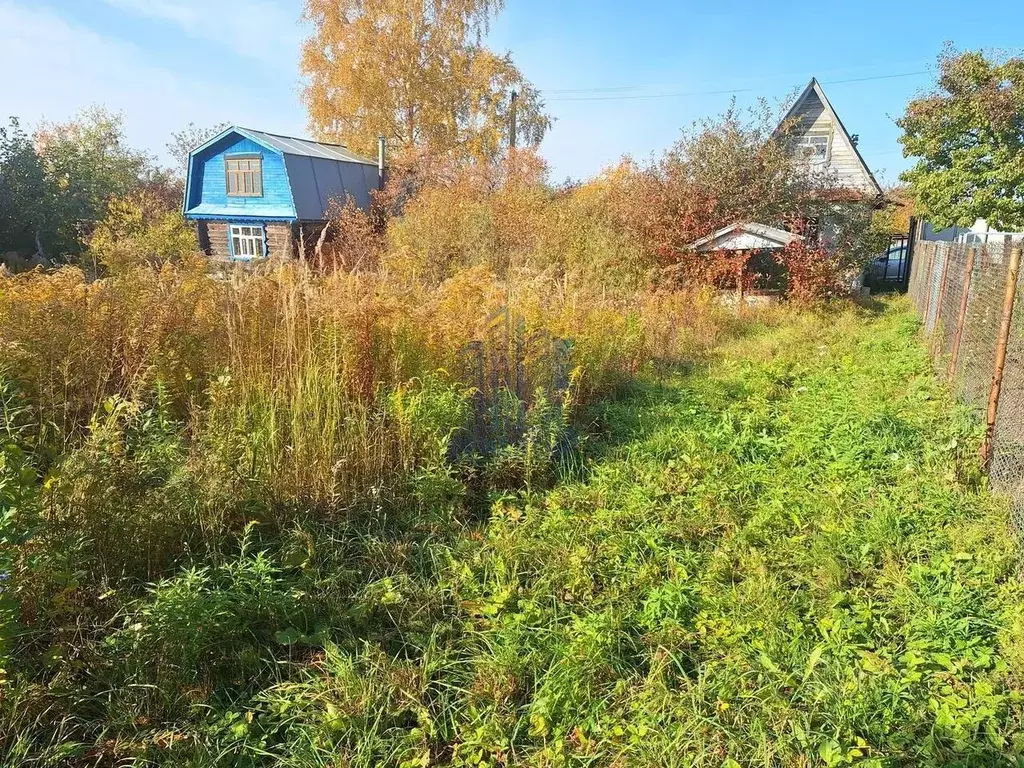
(787, 559)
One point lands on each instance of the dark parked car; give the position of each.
(890, 268)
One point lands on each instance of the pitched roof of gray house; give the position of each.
(305, 178)
(746, 236)
(814, 115)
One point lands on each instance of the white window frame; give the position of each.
(820, 143)
(247, 241)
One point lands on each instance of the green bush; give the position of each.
(208, 627)
(19, 506)
(128, 505)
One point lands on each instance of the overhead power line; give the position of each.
(646, 95)
(631, 96)
(876, 77)
(599, 90)
(774, 76)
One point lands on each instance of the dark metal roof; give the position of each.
(290, 145)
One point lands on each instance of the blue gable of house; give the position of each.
(301, 178)
(207, 195)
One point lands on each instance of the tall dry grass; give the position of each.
(205, 479)
(290, 374)
(211, 475)
(177, 406)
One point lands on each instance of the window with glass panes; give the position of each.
(244, 175)
(247, 242)
(812, 149)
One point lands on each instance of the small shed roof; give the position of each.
(746, 236)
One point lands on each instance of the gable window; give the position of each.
(247, 242)
(812, 149)
(244, 175)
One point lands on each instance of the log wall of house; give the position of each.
(213, 239)
(280, 243)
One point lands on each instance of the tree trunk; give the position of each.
(40, 251)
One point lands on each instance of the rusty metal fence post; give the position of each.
(962, 314)
(740, 277)
(1009, 296)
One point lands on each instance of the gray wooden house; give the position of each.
(821, 142)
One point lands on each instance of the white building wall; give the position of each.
(979, 233)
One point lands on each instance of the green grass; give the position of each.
(785, 557)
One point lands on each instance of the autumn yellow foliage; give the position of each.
(416, 73)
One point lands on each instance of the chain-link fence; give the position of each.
(508, 368)
(970, 301)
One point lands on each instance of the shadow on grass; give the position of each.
(876, 304)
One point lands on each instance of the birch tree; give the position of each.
(417, 72)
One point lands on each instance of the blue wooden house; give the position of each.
(256, 195)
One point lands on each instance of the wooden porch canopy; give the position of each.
(746, 236)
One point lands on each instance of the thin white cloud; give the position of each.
(264, 30)
(164, 10)
(84, 67)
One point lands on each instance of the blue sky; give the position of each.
(166, 63)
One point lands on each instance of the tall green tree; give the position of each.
(28, 220)
(89, 159)
(417, 72)
(56, 186)
(968, 138)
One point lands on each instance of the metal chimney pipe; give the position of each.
(381, 149)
